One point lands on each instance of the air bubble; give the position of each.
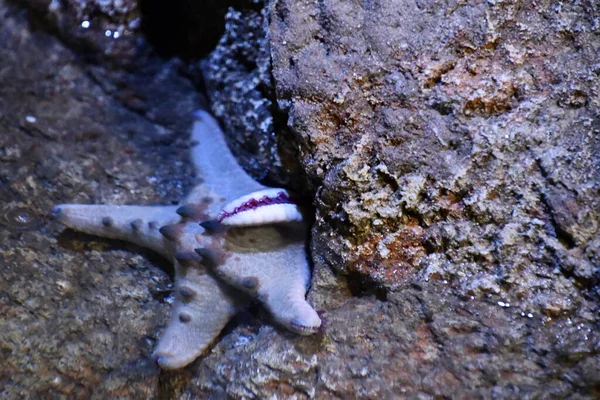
(20, 218)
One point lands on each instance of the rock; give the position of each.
(80, 315)
(117, 32)
(106, 30)
(483, 140)
(454, 157)
(453, 129)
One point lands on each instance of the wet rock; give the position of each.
(453, 148)
(106, 30)
(70, 303)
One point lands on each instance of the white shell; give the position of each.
(261, 215)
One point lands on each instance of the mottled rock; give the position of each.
(463, 150)
(80, 315)
(454, 152)
(106, 30)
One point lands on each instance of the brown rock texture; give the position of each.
(468, 148)
(454, 152)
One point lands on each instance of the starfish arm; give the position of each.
(271, 265)
(137, 224)
(283, 290)
(287, 304)
(202, 308)
(222, 177)
(224, 227)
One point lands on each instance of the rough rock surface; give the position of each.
(466, 150)
(237, 74)
(80, 315)
(453, 150)
(105, 29)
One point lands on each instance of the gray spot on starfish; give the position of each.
(250, 282)
(210, 257)
(228, 263)
(185, 317)
(56, 213)
(186, 292)
(263, 298)
(187, 257)
(213, 226)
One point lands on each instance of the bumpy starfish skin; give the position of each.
(217, 267)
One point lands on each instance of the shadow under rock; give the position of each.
(186, 29)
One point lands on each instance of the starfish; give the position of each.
(231, 239)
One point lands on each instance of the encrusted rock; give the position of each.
(237, 75)
(453, 148)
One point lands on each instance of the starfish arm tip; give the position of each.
(202, 309)
(299, 327)
(56, 212)
(305, 320)
(220, 172)
(131, 223)
(199, 114)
